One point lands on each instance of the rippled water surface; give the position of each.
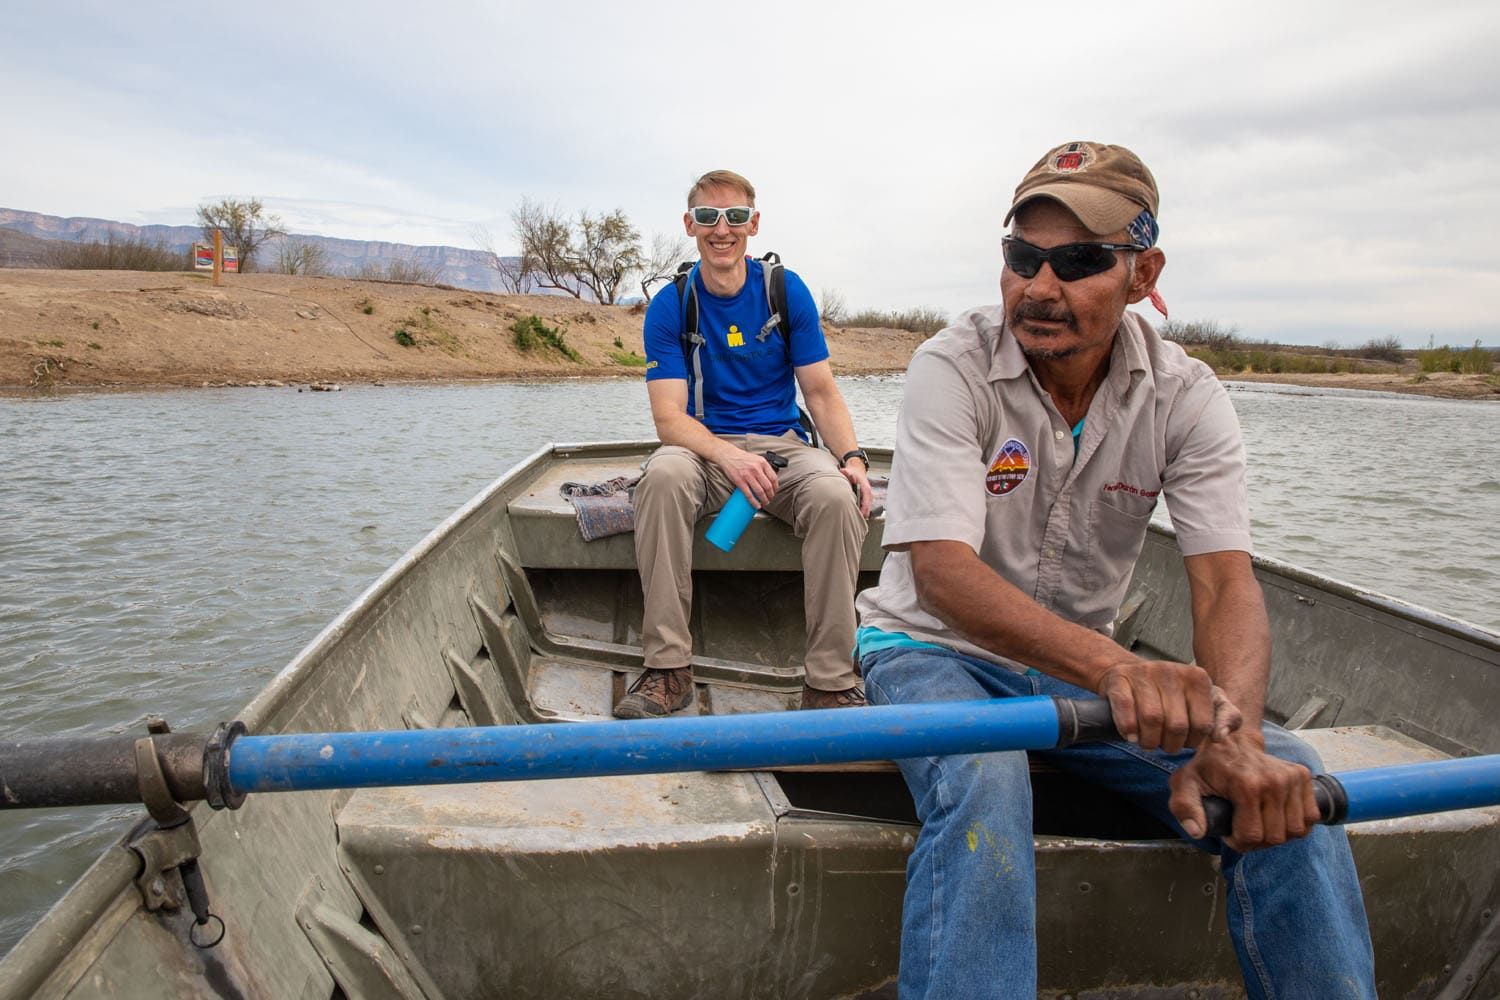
(166, 553)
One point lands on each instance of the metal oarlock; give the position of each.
(169, 843)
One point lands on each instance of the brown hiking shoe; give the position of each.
(848, 698)
(657, 693)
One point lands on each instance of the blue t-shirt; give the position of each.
(748, 387)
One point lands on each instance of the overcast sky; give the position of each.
(1329, 171)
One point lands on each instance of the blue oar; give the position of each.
(225, 767)
(657, 746)
(1389, 792)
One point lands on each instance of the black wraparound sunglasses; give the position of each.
(707, 215)
(1070, 261)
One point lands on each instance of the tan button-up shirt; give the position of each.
(985, 458)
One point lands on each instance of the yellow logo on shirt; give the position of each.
(736, 338)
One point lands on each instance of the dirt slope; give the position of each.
(125, 328)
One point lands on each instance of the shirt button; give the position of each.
(1049, 552)
(1059, 435)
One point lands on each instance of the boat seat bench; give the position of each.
(545, 530)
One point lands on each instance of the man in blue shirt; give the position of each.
(741, 404)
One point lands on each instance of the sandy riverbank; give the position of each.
(130, 329)
(102, 329)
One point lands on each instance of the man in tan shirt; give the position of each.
(1034, 441)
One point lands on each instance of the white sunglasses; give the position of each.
(707, 215)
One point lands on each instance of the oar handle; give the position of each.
(1333, 806)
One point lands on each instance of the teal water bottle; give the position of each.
(736, 513)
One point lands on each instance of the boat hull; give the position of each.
(773, 884)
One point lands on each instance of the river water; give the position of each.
(166, 553)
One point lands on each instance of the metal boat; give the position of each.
(782, 883)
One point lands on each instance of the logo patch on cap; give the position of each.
(1009, 469)
(1073, 158)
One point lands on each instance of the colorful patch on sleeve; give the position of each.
(1009, 469)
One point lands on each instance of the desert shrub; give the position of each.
(1209, 334)
(1386, 348)
(532, 334)
(407, 272)
(919, 320)
(114, 255)
(404, 338)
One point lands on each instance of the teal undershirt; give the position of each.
(1077, 436)
(868, 639)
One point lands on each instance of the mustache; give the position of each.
(1037, 310)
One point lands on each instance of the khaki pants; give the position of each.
(813, 497)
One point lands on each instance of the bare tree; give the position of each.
(514, 277)
(606, 249)
(832, 309)
(244, 224)
(544, 235)
(297, 256)
(661, 263)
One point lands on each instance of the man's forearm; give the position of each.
(685, 431)
(1231, 634)
(835, 426)
(971, 598)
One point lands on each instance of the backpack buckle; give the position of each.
(770, 324)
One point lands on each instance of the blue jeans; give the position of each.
(1295, 912)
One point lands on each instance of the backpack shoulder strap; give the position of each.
(781, 319)
(688, 335)
(774, 276)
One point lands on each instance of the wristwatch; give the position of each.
(858, 453)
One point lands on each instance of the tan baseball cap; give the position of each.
(1105, 186)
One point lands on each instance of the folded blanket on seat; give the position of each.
(604, 509)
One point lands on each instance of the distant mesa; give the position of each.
(25, 236)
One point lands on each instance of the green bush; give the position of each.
(1476, 360)
(1438, 359)
(629, 359)
(532, 334)
(1270, 361)
(404, 338)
